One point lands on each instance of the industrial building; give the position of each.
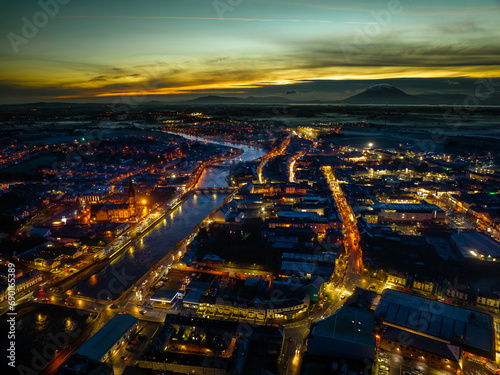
(109, 338)
(436, 333)
(349, 333)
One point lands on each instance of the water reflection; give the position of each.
(70, 325)
(154, 246)
(93, 280)
(41, 322)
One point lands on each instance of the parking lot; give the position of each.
(394, 364)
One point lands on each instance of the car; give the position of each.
(342, 296)
(130, 349)
(134, 342)
(124, 358)
(142, 337)
(291, 338)
(384, 367)
(142, 312)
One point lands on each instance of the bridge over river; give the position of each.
(213, 190)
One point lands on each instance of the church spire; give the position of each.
(131, 198)
(131, 190)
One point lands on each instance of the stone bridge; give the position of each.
(213, 190)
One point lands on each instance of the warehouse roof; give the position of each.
(438, 319)
(103, 340)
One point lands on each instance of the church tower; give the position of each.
(131, 197)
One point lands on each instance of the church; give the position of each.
(115, 212)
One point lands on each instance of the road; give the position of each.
(273, 153)
(292, 162)
(334, 294)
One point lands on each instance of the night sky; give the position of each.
(93, 50)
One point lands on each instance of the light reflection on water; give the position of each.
(41, 322)
(93, 280)
(70, 325)
(155, 245)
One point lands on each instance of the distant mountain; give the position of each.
(384, 93)
(214, 99)
(381, 94)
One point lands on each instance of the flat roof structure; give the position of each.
(405, 207)
(103, 340)
(471, 330)
(166, 295)
(475, 244)
(349, 332)
(437, 347)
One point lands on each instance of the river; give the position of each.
(138, 258)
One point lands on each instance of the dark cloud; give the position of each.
(430, 47)
(98, 78)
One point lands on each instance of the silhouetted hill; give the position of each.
(381, 94)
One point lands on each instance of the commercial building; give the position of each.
(397, 278)
(109, 338)
(349, 333)
(436, 333)
(411, 213)
(476, 245)
(23, 282)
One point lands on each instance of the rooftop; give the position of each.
(438, 319)
(103, 340)
(348, 324)
(410, 207)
